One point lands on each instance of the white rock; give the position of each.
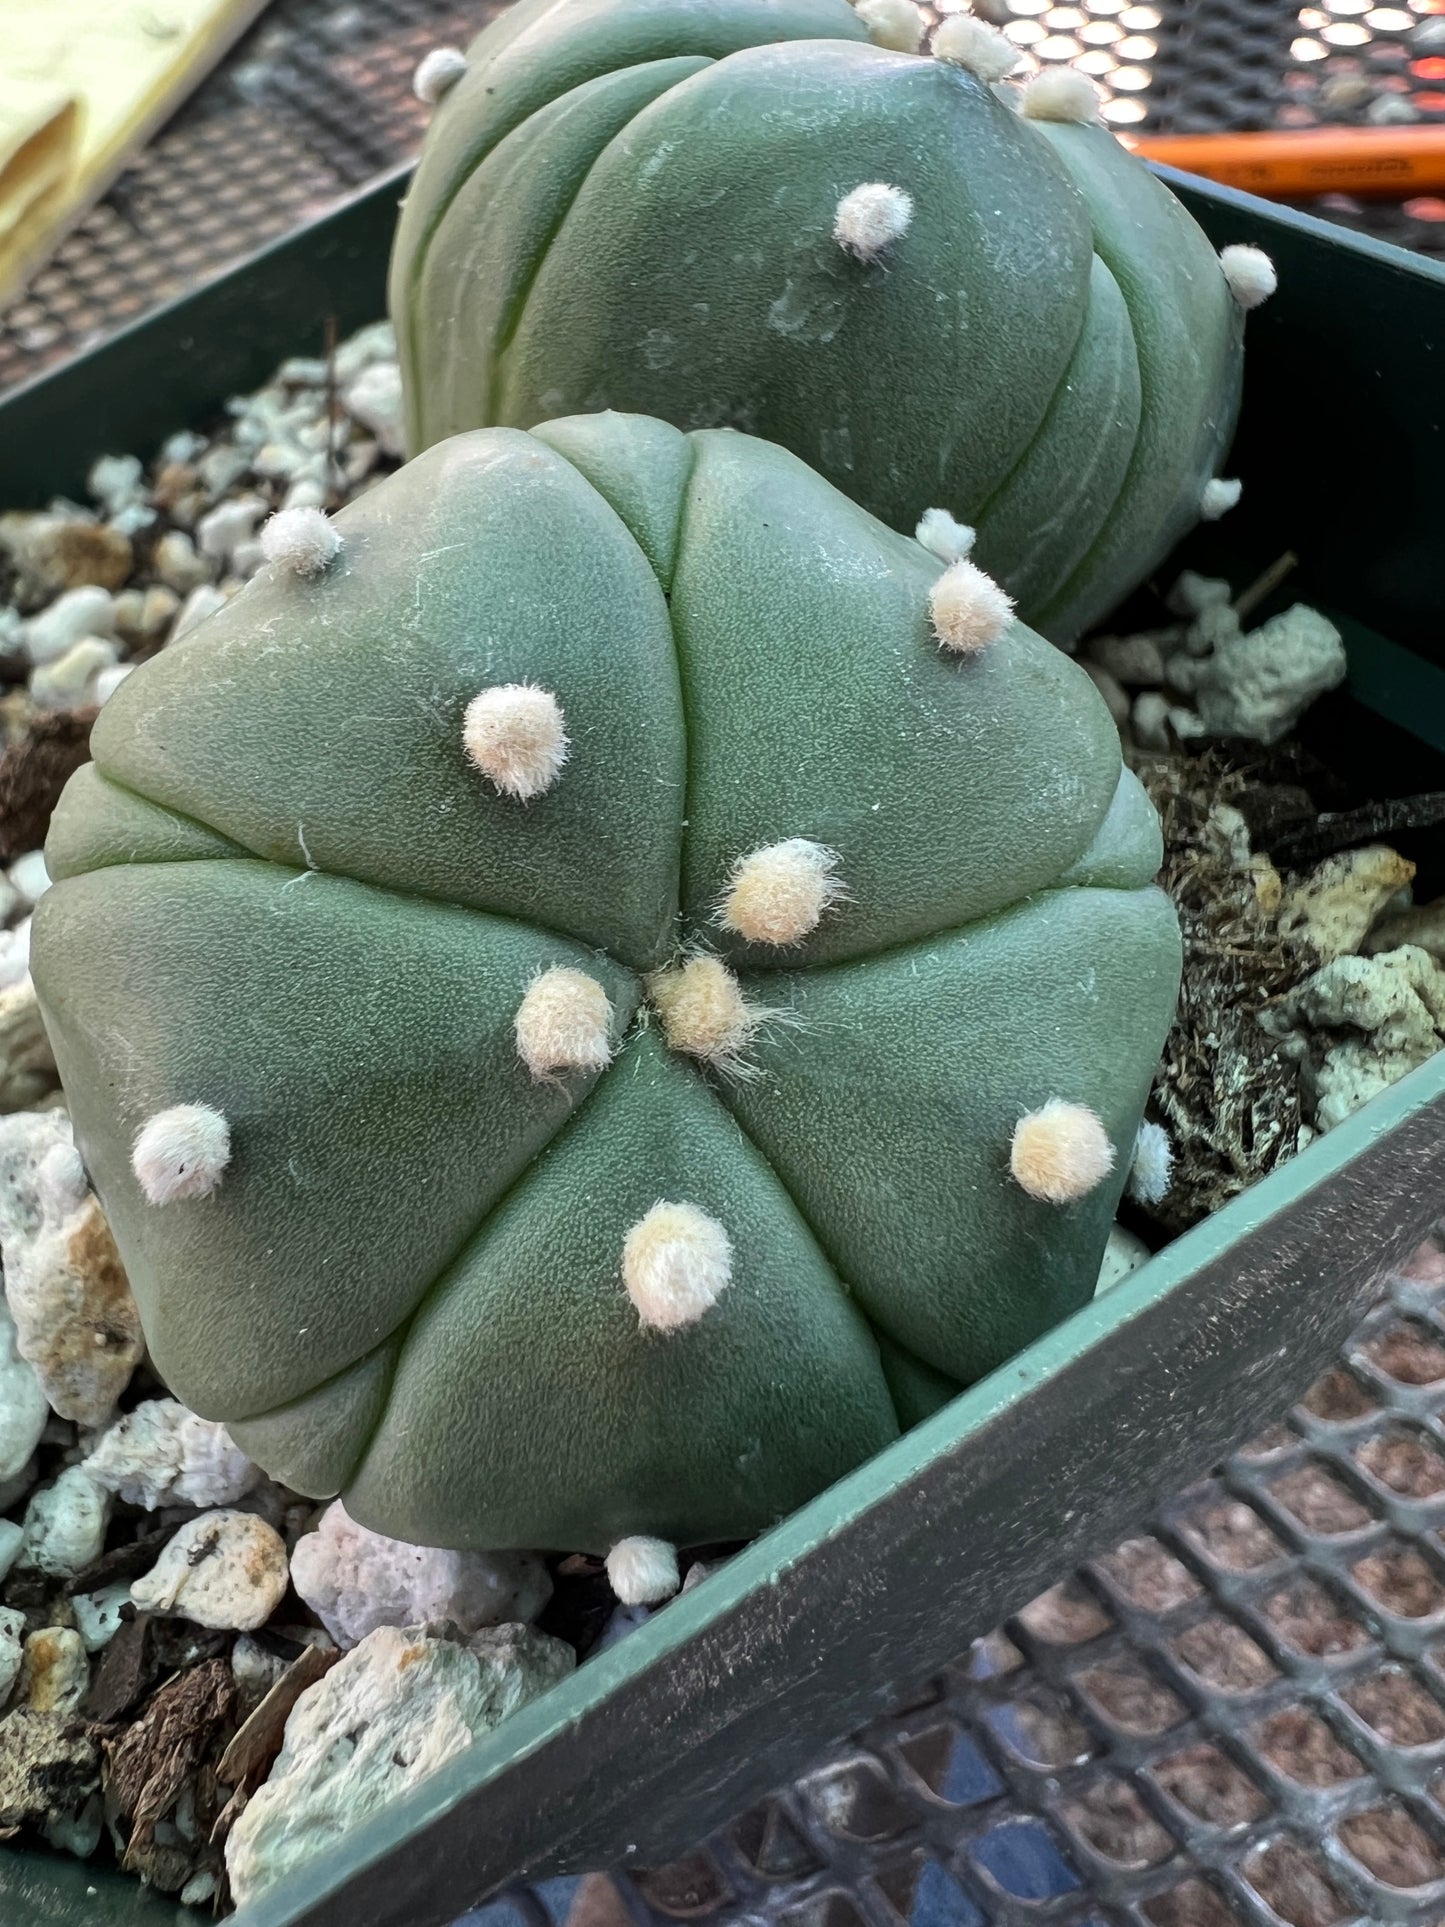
(75, 1318)
(69, 682)
(1336, 904)
(29, 875)
(200, 1888)
(1111, 689)
(375, 342)
(230, 523)
(12, 1648)
(184, 446)
(373, 397)
(1259, 685)
(77, 1832)
(254, 1670)
(220, 468)
(116, 481)
(87, 611)
(109, 680)
(1122, 1254)
(199, 605)
(178, 565)
(389, 1714)
(1397, 1000)
(1150, 720)
(161, 1454)
(65, 1525)
(306, 492)
(54, 1672)
(1135, 661)
(1192, 594)
(355, 1580)
(15, 955)
(224, 1569)
(1420, 924)
(623, 1620)
(23, 1410)
(97, 1615)
(12, 1538)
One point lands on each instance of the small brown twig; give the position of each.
(1266, 584)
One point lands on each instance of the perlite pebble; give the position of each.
(23, 1410)
(12, 1538)
(229, 524)
(65, 1525)
(69, 682)
(29, 876)
(199, 605)
(15, 954)
(355, 1580)
(12, 1648)
(54, 1672)
(88, 611)
(98, 1615)
(387, 1716)
(160, 1454)
(374, 399)
(178, 565)
(225, 1569)
(1259, 685)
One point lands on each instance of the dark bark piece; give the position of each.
(126, 1672)
(121, 1562)
(34, 771)
(247, 1760)
(147, 1767)
(49, 1764)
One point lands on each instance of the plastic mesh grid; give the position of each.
(1237, 1717)
(317, 100)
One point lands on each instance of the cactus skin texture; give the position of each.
(630, 204)
(285, 891)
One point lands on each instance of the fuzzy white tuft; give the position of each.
(1250, 274)
(1218, 498)
(1060, 1152)
(965, 41)
(676, 1263)
(1153, 1165)
(969, 609)
(779, 894)
(642, 1572)
(703, 1011)
(1061, 93)
(563, 1023)
(894, 24)
(943, 536)
(871, 218)
(181, 1153)
(437, 73)
(514, 734)
(301, 540)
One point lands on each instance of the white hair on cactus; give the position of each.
(676, 1263)
(965, 41)
(780, 893)
(944, 536)
(563, 1023)
(871, 218)
(1218, 498)
(1153, 1165)
(302, 540)
(437, 73)
(703, 1011)
(969, 609)
(1061, 93)
(1250, 274)
(514, 734)
(1060, 1152)
(894, 24)
(181, 1153)
(642, 1572)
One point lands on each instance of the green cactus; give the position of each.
(598, 984)
(742, 213)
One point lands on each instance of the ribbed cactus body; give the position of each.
(636, 204)
(504, 1236)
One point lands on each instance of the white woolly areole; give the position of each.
(1060, 1152)
(642, 1572)
(778, 894)
(963, 40)
(676, 1263)
(1250, 274)
(1061, 93)
(703, 1011)
(437, 73)
(1153, 1165)
(942, 535)
(1218, 498)
(514, 734)
(894, 24)
(562, 1023)
(181, 1153)
(301, 540)
(871, 218)
(969, 609)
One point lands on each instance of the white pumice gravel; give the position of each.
(160, 1454)
(65, 1525)
(225, 1569)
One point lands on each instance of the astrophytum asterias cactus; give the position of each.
(592, 1005)
(744, 213)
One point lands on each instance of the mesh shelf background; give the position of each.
(316, 100)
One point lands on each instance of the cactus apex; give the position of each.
(1060, 1152)
(676, 1263)
(514, 734)
(944, 536)
(969, 609)
(1152, 1166)
(1219, 497)
(437, 73)
(1250, 274)
(563, 1023)
(703, 1011)
(642, 1572)
(779, 894)
(181, 1153)
(303, 540)
(894, 24)
(871, 218)
(1061, 93)
(965, 41)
